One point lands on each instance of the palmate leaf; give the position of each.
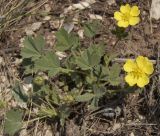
(99, 91)
(99, 48)
(65, 40)
(111, 74)
(33, 47)
(90, 57)
(114, 73)
(50, 63)
(82, 62)
(108, 58)
(13, 122)
(91, 28)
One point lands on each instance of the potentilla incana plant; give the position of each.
(85, 75)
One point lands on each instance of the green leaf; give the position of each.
(51, 94)
(105, 71)
(91, 78)
(55, 97)
(39, 43)
(33, 47)
(46, 111)
(64, 112)
(114, 73)
(50, 63)
(99, 91)
(111, 74)
(91, 28)
(75, 42)
(65, 40)
(13, 122)
(82, 62)
(99, 48)
(19, 94)
(94, 104)
(90, 57)
(109, 58)
(93, 58)
(62, 47)
(63, 37)
(85, 97)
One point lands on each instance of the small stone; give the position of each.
(31, 29)
(94, 16)
(81, 33)
(116, 126)
(155, 9)
(1, 60)
(55, 24)
(111, 2)
(3, 79)
(46, 18)
(132, 134)
(47, 7)
(61, 55)
(68, 27)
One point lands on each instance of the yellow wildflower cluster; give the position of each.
(138, 71)
(127, 16)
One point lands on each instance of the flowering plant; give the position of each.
(138, 71)
(127, 16)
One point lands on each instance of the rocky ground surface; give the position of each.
(135, 114)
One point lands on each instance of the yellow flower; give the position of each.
(127, 16)
(138, 71)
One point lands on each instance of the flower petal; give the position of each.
(118, 15)
(123, 23)
(134, 11)
(145, 65)
(142, 81)
(130, 79)
(134, 20)
(130, 66)
(125, 9)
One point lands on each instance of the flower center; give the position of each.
(137, 73)
(126, 17)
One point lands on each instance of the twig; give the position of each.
(158, 65)
(150, 21)
(8, 50)
(140, 124)
(124, 59)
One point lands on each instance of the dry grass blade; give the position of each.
(11, 11)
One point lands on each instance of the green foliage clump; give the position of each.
(13, 122)
(82, 76)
